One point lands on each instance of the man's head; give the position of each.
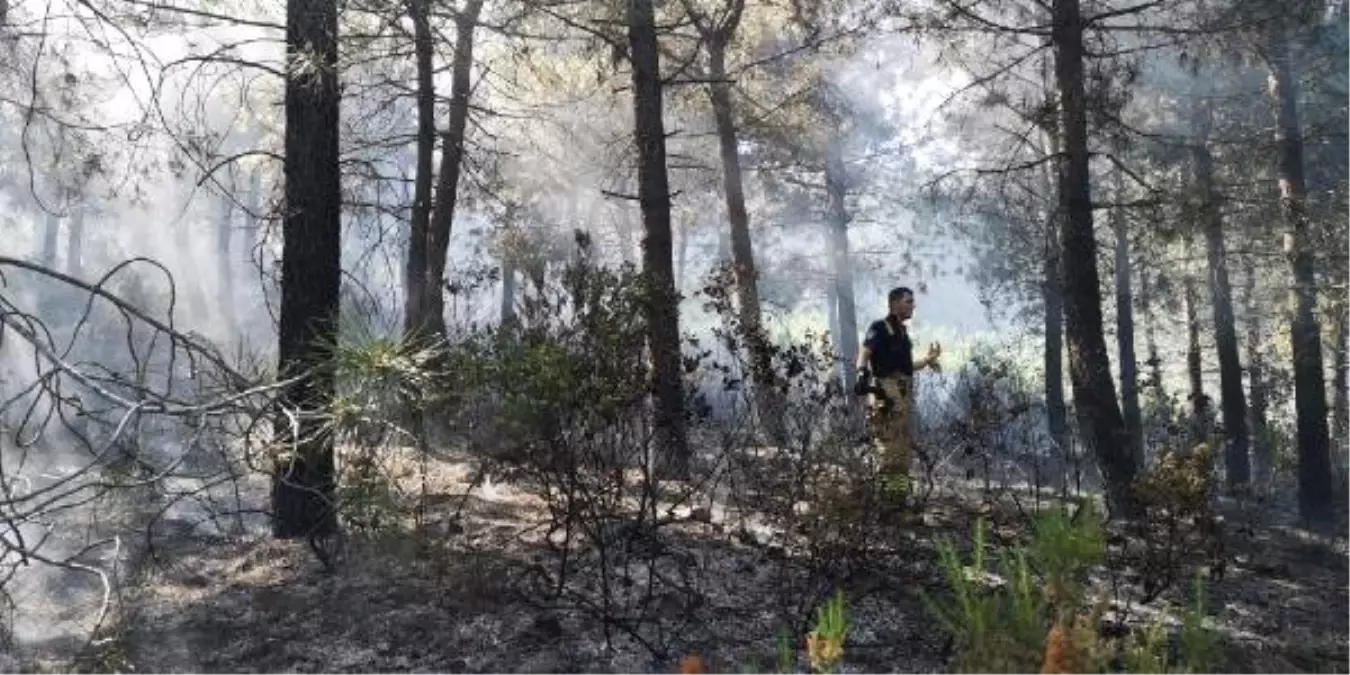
(901, 302)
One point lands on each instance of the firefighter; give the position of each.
(886, 370)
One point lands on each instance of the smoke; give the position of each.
(147, 148)
(92, 168)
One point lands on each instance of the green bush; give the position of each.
(1036, 615)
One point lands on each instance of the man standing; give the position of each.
(888, 356)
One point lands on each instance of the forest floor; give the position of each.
(393, 604)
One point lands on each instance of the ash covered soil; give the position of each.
(467, 595)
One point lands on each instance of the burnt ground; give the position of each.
(465, 596)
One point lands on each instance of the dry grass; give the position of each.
(449, 599)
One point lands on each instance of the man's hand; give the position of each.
(860, 387)
(934, 351)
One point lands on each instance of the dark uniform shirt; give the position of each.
(892, 352)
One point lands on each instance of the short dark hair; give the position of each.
(899, 293)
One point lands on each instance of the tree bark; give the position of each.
(1155, 377)
(1310, 403)
(759, 350)
(1129, 369)
(1236, 459)
(662, 306)
(1099, 416)
(75, 244)
(225, 263)
(508, 306)
(832, 312)
(1263, 453)
(1340, 394)
(415, 281)
(253, 210)
(51, 241)
(452, 161)
(836, 184)
(1194, 365)
(303, 486)
(1052, 299)
(682, 257)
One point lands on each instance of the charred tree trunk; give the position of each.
(663, 319)
(415, 281)
(452, 161)
(508, 307)
(75, 244)
(1236, 459)
(1199, 415)
(51, 241)
(1129, 373)
(1099, 416)
(682, 257)
(1340, 395)
(832, 312)
(723, 248)
(836, 184)
(256, 292)
(225, 264)
(1195, 374)
(1310, 403)
(1159, 414)
(303, 486)
(1155, 377)
(742, 252)
(253, 211)
(1052, 297)
(1263, 452)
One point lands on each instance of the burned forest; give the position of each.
(675, 336)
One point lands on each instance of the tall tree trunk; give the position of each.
(1236, 458)
(682, 257)
(1129, 373)
(225, 263)
(1159, 413)
(836, 184)
(1340, 395)
(253, 210)
(51, 241)
(832, 312)
(742, 252)
(733, 188)
(1263, 453)
(75, 244)
(1195, 373)
(415, 281)
(254, 255)
(662, 307)
(1155, 376)
(452, 161)
(1310, 403)
(1199, 417)
(1099, 416)
(508, 306)
(623, 231)
(1052, 299)
(303, 486)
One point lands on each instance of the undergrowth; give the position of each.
(556, 403)
(1027, 607)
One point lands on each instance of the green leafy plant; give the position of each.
(825, 643)
(1035, 614)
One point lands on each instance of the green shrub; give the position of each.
(1035, 614)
